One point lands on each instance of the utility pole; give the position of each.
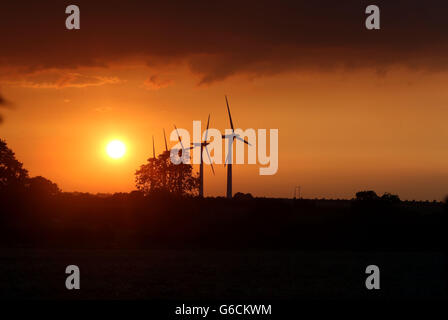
(295, 192)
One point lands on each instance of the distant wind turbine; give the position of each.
(164, 136)
(203, 145)
(181, 144)
(231, 137)
(153, 148)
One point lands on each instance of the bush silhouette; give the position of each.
(367, 195)
(391, 198)
(243, 196)
(42, 187)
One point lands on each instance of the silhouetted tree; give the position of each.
(367, 195)
(161, 175)
(243, 196)
(391, 198)
(42, 186)
(146, 179)
(13, 176)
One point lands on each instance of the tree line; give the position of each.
(158, 175)
(15, 178)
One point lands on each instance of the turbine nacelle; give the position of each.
(231, 137)
(234, 136)
(184, 152)
(198, 144)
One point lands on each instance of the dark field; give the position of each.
(188, 274)
(132, 247)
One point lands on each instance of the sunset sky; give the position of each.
(355, 109)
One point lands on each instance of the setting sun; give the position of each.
(116, 149)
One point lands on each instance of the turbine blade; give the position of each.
(211, 163)
(230, 116)
(213, 170)
(206, 130)
(208, 120)
(241, 139)
(164, 135)
(227, 159)
(178, 136)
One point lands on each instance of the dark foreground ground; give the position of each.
(217, 275)
(132, 247)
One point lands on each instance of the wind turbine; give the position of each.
(184, 151)
(153, 148)
(203, 145)
(181, 154)
(229, 157)
(164, 136)
(164, 165)
(295, 192)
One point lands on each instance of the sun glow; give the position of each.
(116, 149)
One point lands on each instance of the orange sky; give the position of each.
(355, 109)
(339, 132)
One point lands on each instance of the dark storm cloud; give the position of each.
(218, 39)
(3, 103)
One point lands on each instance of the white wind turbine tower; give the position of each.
(203, 145)
(229, 159)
